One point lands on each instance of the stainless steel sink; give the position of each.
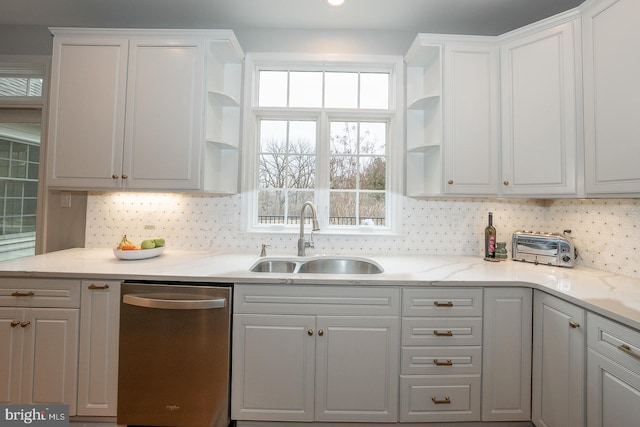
(274, 266)
(340, 266)
(319, 265)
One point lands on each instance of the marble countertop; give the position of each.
(614, 296)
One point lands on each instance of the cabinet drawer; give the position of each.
(441, 360)
(320, 300)
(619, 343)
(441, 331)
(18, 292)
(442, 302)
(439, 398)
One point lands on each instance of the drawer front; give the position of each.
(320, 300)
(18, 292)
(458, 360)
(439, 398)
(618, 342)
(442, 302)
(441, 331)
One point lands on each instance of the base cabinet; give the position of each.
(558, 362)
(613, 374)
(326, 359)
(98, 355)
(39, 332)
(506, 370)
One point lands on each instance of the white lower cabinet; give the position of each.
(98, 355)
(315, 353)
(506, 370)
(39, 332)
(558, 362)
(613, 373)
(441, 355)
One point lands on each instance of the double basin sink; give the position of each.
(317, 265)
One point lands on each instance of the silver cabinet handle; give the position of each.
(574, 325)
(150, 301)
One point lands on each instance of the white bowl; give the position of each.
(138, 253)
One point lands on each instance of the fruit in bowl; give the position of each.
(149, 248)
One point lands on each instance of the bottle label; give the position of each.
(491, 245)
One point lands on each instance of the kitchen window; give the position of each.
(326, 131)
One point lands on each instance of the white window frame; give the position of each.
(394, 65)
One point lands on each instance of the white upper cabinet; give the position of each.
(611, 42)
(539, 113)
(128, 110)
(471, 118)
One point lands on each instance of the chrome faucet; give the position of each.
(302, 242)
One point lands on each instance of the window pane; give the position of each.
(341, 90)
(305, 89)
(373, 138)
(271, 207)
(342, 210)
(302, 171)
(374, 90)
(344, 138)
(302, 137)
(272, 91)
(373, 173)
(343, 173)
(372, 209)
(296, 200)
(272, 171)
(273, 136)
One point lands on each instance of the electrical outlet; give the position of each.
(65, 199)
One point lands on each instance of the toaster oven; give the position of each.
(543, 248)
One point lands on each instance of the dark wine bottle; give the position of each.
(490, 239)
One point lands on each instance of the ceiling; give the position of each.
(486, 17)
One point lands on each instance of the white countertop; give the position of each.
(614, 296)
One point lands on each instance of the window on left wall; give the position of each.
(21, 102)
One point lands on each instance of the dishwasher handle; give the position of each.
(150, 301)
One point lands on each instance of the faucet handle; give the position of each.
(263, 251)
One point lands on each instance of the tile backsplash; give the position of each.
(606, 231)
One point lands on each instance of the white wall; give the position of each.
(607, 232)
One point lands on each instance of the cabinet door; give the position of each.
(611, 42)
(539, 138)
(11, 337)
(86, 121)
(471, 119)
(357, 369)
(98, 355)
(506, 384)
(164, 114)
(614, 393)
(273, 367)
(558, 363)
(50, 356)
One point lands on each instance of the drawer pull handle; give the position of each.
(448, 362)
(443, 304)
(443, 334)
(98, 287)
(626, 349)
(445, 401)
(23, 294)
(574, 325)
(15, 323)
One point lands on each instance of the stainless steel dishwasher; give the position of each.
(174, 354)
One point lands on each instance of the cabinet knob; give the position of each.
(114, 176)
(15, 323)
(574, 325)
(321, 332)
(450, 182)
(25, 323)
(124, 176)
(310, 332)
(505, 182)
